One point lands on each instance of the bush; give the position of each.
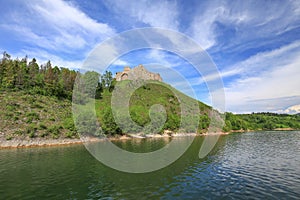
(18, 132)
(32, 135)
(15, 118)
(9, 137)
(54, 130)
(31, 131)
(8, 115)
(70, 134)
(68, 123)
(44, 134)
(109, 126)
(42, 126)
(34, 115)
(29, 120)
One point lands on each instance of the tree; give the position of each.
(107, 80)
(90, 81)
(9, 75)
(109, 125)
(33, 71)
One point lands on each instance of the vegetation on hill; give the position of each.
(140, 103)
(45, 80)
(24, 115)
(35, 101)
(261, 121)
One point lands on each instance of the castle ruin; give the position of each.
(139, 72)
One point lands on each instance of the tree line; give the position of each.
(46, 79)
(260, 121)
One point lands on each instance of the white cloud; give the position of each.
(270, 75)
(63, 15)
(121, 63)
(295, 109)
(248, 21)
(56, 25)
(154, 13)
(161, 57)
(104, 55)
(202, 28)
(43, 56)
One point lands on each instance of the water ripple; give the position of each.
(257, 165)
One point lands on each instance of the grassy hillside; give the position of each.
(148, 95)
(24, 115)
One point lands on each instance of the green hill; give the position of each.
(140, 103)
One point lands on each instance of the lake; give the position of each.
(252, 165)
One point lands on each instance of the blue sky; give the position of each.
(254, 44)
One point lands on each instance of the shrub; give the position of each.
(29, 120)
(54, 131)
(68, 123)
(9, 137)
(44, 134)
(31, 135)
(18, 132)
(10, 108)
(15, 118)
(34, 115)
(70, 134)
(8, 115)
(42, 126)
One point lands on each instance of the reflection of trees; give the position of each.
(143, 145)
(159, 179)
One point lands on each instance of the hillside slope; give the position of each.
(182, 112)
(24, 115)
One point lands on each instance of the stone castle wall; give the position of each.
(139, 72)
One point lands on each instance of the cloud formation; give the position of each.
(273, 74)
(55, 26)
(254, 45)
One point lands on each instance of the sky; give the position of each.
(255, 45)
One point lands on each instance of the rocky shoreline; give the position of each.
(37, 142)
(42, 142)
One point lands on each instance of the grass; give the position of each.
(26, 115)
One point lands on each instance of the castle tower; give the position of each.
(126, 69)
(139, 72)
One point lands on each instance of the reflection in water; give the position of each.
(148, 161)
(253, 165)
(143, 145)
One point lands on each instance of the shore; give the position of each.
(37, 142)
(41, 142)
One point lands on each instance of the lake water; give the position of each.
(251, 165)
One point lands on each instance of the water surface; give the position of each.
(252, 165)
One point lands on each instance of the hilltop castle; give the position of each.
(139, 72)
